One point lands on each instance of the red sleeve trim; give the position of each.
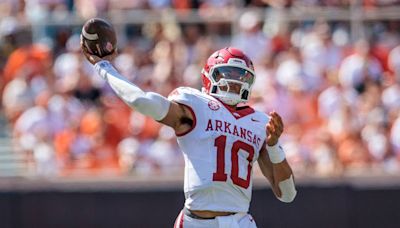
(194, 121)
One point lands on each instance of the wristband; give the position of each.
(276, 153)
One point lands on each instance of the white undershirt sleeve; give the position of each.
(148, 103)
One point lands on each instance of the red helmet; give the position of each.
(225, 69)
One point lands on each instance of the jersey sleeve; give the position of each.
(187, 97)
(184, 95)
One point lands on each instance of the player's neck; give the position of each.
(231, 107)
(234, 107)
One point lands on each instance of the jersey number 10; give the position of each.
(220, 175)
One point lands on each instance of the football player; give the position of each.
(220, 140)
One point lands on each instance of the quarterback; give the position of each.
(220, 140)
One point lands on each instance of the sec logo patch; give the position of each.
(213, 105)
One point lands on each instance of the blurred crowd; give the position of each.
(31, 11)
(339, 98)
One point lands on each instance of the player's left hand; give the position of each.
(274, 128)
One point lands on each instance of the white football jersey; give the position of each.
(219, 152)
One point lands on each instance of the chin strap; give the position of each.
(148, 103)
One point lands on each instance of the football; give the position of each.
(98, 36)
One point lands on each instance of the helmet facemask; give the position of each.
(231, 83)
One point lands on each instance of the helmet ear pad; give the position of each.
(245, 95)
(214, 89)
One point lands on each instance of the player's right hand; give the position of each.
(274, 128)
(93, 59)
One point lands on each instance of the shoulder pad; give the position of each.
(182, 93)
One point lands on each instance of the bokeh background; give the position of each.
(331, 68)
